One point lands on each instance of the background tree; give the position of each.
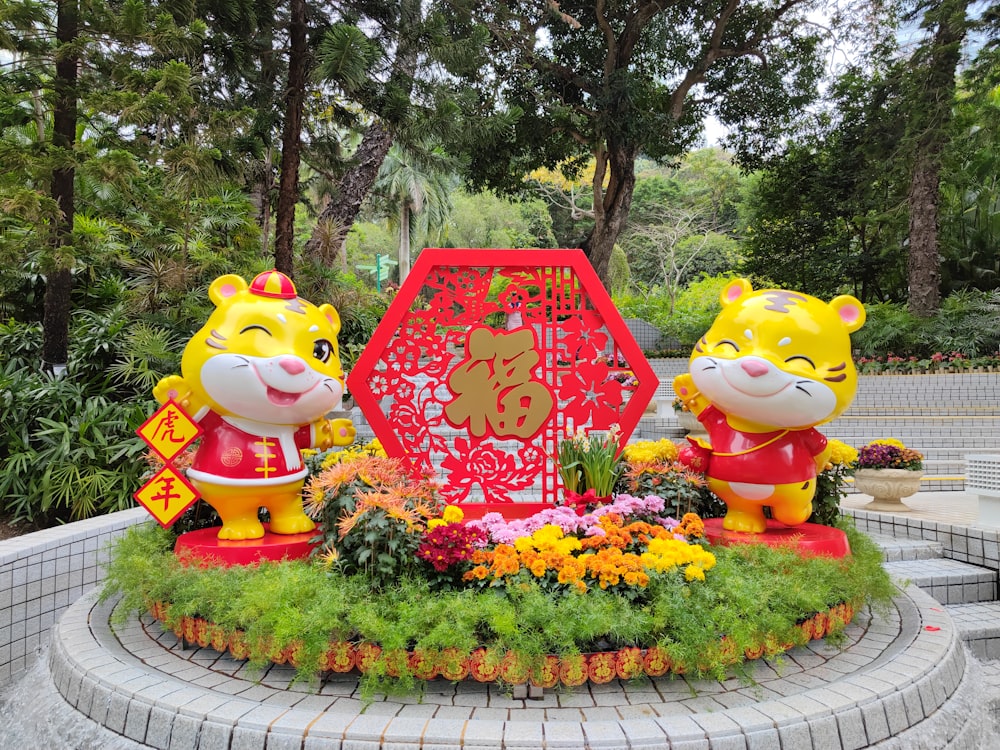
(59, 268)
(413, 189)
(933, 71)
(610, 81)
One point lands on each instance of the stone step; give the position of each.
(978, 625)
(948, 581)
(898, 549)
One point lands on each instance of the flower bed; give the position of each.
(484, 665)
(403, 587)
(937, 363)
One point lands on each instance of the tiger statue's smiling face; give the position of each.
(265, 354)
(778, 358)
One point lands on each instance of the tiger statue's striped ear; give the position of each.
(850, 310)
(734, 290)
(225, 287)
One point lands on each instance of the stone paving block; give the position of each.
(202, 706)
(690, 745)
(762, 739)
(528, 735)
(895, 713)
(117, 713)
(597, 713)
(245, 738)
(750, 719)
(600, 734)
(681, 728)
(158, 728)
(99, 705)
(852, 729)
(717, 724)
(214, 736)
(729, 742)
(876, 724)
(184, 734)
(136, 720)
(781, 712)
(281, 741)
(914, 708)
(644, 733)
(260, 717)
(490, 714)
(642, 711)
(486, 733)
(367, 728)
(323, 743)
(441, 731)
(452, 712)
(794, 736)
(824, 732)
(85, 697)
(562, 734)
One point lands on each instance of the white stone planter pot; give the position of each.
(689, 422)
(887, 487)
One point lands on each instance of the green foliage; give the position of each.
(681, 492)
(830, 490)
(485, 220)
(696, 309)
(649, 304)
(752, 592)
(370, 512)
(590, 462)
(968, 322)
(69, 454)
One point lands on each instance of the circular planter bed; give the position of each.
(510, 667)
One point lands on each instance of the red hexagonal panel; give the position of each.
(486, 359)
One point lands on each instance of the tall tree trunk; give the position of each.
(611, 205)
(933, 114)
(339, 214)
(59, 279)
(260, 196)
(923, 262)
(337, 218)
(291, 139)
(404, 240)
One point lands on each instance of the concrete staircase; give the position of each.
(968, 592)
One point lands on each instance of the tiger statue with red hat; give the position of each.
(259, 377)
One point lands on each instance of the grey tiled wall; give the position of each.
(43, 573)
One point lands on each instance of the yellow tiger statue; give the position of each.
(773, 365)
(259, 378)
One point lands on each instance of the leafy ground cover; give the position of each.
(751, 600)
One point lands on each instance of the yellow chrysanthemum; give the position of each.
(435, 522)
(328, 557)
(693, 572)
(841, 454)
(453, 514)
(650, 451)
(888, 441)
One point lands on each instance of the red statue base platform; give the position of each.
(205, 544)
(807, 539)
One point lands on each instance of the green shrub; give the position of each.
(968, 323)
(68, 455)
(696, 309)
(753, 591)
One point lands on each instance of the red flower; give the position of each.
(452, 543)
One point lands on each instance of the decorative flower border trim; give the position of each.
(512, 668)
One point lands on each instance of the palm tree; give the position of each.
(414, 189)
